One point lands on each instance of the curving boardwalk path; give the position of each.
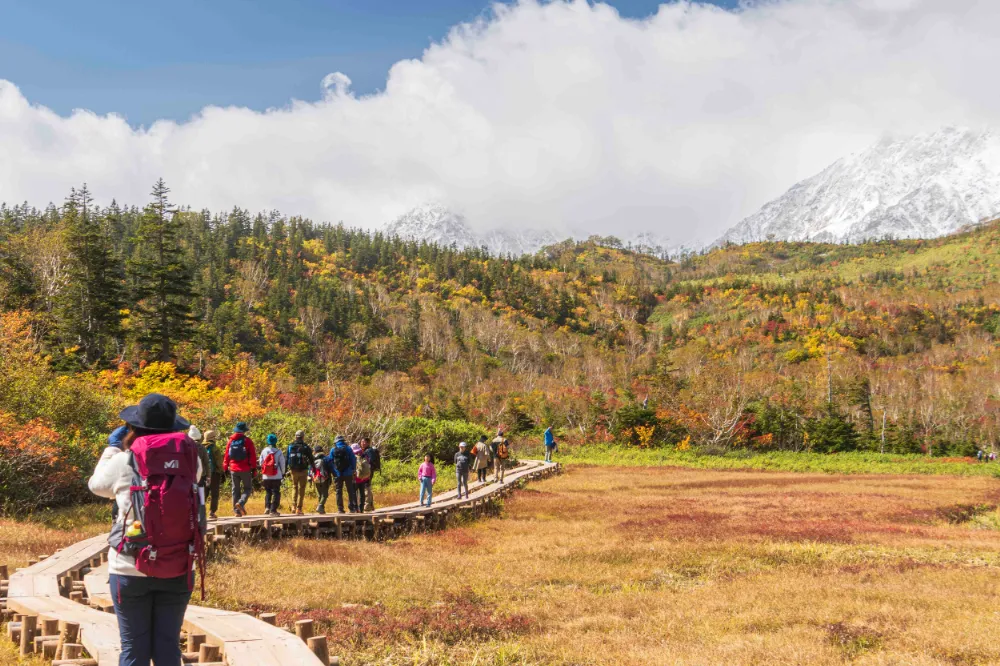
(71, 586)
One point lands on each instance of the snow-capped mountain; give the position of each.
(918, 187)
(435, 223)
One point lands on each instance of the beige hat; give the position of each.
(299, 434)
(211, 435)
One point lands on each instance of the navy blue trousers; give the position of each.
(150, 615)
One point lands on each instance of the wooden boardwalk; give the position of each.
(71, 587)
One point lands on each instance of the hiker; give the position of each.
(240, 462)
(979, 455)
(197, 437)
(374, 458)
(115, 440)
(322, 477)
(272, 472)
(462, 464)
(342, 464)
(151, 595)
(362, 477)
(550, 444)
(481, 451)
(500, 449)
(215, 474)
(300, 462)
(427, 475)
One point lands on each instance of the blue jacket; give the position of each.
(550, 440)
(332, 464)
(117, 436)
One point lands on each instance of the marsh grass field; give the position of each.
(644, 565)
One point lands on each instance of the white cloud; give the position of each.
(561, 115)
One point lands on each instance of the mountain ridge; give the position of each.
(923, 186)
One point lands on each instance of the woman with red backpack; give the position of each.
(151, 563)
(272, 472)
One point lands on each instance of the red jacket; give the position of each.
(248, 465)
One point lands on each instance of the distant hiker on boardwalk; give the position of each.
(240, 462)
(550, 444)
(272, 472)
(373, 457)
(427, 475)
(215, 473)
(343, 463)
(322, 477)
(300, 462)
(150, 595)
(362, 476)
(196, 437)
(462, 465)
(481, 451)
(500, 450)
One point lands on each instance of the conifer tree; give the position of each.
(89, 308)
(161, 278)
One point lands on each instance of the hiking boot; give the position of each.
(212, 516)
(320, 511)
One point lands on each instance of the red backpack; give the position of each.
(270, 466)
(165, 528)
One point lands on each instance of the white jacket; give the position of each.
(113, 479)
(279, 460)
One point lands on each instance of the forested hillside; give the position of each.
(887, 346)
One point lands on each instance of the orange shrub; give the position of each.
(37, 468)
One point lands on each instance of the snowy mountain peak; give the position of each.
(916, 187)
(435, 223)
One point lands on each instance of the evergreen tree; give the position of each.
(89, 309)
(160, 276)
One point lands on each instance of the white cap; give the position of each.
(462, 445)
(194, 433)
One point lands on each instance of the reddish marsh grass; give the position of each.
(658, 566)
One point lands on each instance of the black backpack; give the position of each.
(374, 459)
(238, 449)
(341, 459)
(298, 459)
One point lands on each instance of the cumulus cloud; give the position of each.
(559, 115)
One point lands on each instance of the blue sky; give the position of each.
(168, 60)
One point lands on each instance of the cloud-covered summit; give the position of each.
(555, 116)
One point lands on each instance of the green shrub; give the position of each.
(412, 437)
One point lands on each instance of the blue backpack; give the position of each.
(238, 449)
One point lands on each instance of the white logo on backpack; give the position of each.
(172, 464)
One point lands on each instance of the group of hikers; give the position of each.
(347, 467)
(165, 475)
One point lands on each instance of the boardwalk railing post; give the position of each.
(28, 625)
(304, 630)
(319, 648)
(195, 641)
(269, 618)
(208, 654)
(69, 632)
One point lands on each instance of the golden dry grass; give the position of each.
(658, 566)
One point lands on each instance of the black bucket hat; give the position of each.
(154, 412)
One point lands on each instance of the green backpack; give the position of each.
(215, 455)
